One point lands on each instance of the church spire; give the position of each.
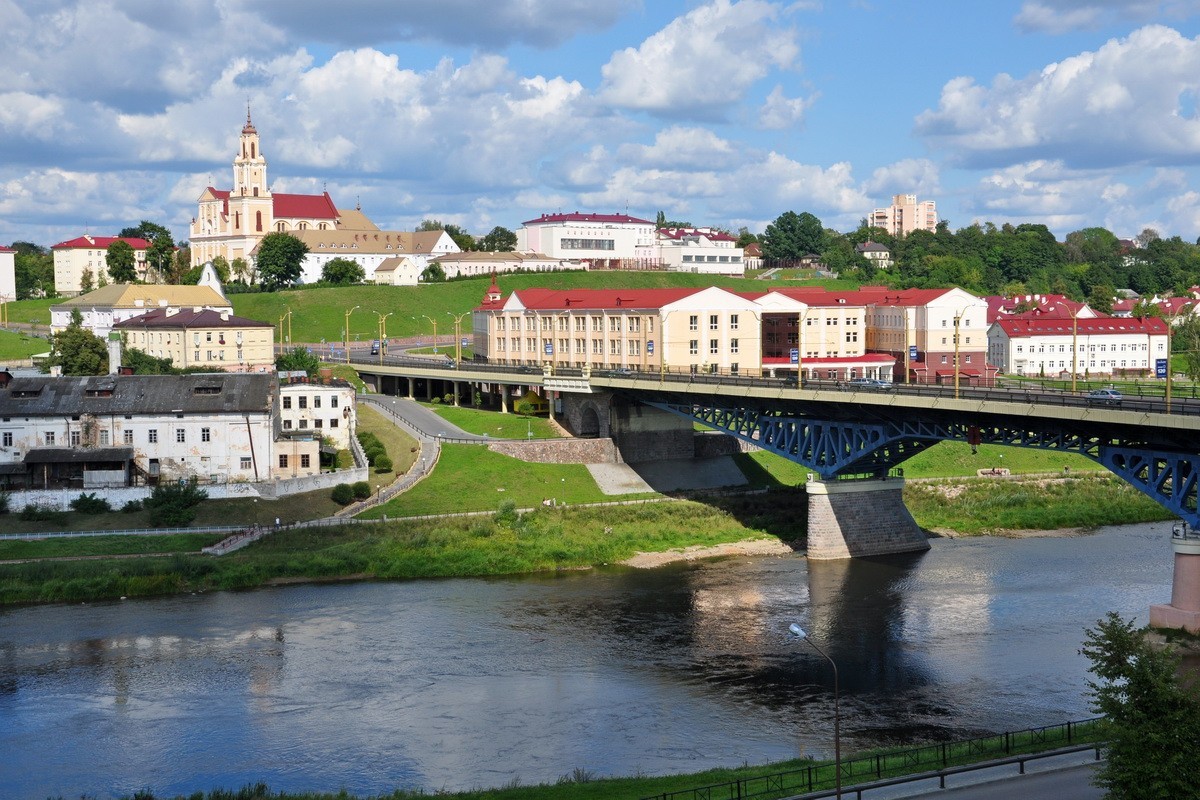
(249, 126)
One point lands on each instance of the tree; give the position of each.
(77, 350)
(1153, 718)
(297, 359)
(280, 256)
(221, 267)
(121, 261)
(87, 281)
(793, 235)
(498, 240)
(342, 272)
(1186, 340)
(144, 364)
(241, 270)
(745, 238)
(33, 268)
(433, 273)
(464, 240)
(160, 255)
(174, 504)
(145, 230)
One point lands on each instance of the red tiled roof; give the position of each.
(189, 318)
(100, 242)
(1050, 326)
(307, 206)
(556, 299)
(577, 217)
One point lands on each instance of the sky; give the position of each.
(1069, 113)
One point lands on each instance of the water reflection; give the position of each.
(460, 683)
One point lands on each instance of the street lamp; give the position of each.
(346, 332)
(837, 721)
(433, 322)
(458, 318)
(382, 332)
(288, 317)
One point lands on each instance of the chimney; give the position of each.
(326, 375)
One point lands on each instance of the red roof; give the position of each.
(625, 219)
(100, 242)
(1052, 326)
(866, 296)
(563, 299)
(289, 206)
(4, 249)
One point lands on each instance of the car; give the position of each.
(529, 369)
(869, 383)
(621, 372)
(1107, 397)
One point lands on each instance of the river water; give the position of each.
(456, 684)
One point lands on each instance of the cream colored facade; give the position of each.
(202, 338)
(371, 249)
(90, 254)
(117, 302)
(906, 215)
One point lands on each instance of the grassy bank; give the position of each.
(20, 346)
(502, 543)
(492, 423)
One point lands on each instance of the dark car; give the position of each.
(1104, 397)
(868, 383)
(529, 369)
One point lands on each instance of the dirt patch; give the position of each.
(748, 547)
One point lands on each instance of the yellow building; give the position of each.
(197, 337)
(117, 302)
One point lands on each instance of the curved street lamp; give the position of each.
(346, 332)
(837, 722)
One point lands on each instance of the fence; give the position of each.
(902, 765)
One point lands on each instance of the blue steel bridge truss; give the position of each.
(834, 448)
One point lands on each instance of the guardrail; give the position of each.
(897, 767)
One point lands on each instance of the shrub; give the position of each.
(343, 494)
(383, 464)
(35, 512)
(362, 490)
(90, 504)
(5, 502)
(374, 454)
(131, 506)
(174, 504)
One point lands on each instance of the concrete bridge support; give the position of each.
(856, 518)
(1184, 608)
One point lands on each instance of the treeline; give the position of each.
(1090, 264)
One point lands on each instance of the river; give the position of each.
(458, 684)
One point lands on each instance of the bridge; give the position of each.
(854, 439)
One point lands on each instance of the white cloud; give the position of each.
(909, 176)
(1060, 16)
(1129, 102)
(779, 112)
(702, 62)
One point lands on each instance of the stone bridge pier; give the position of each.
(858, 518)
(641, 433)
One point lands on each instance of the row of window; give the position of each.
(1066, 348)
(711, 259)
(305, 461)
(562, 322)
(714, 346)
(317, 423)
(302, 401)
(75, 438)
(714, 322)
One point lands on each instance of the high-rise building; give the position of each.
(905, 215)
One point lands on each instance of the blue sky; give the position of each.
(1072, 113)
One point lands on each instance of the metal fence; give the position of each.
(914, 764)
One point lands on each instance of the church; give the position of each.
(232, 223)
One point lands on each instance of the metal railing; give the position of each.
(899, 766)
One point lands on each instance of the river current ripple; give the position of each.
(458, 684)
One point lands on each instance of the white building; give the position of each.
(1056, 346)
(8, 274)
(605, 241)
(876, 253)
(478, 264)
(89, 254)
(701, 250)
(325, 408)
(91, 432)
(370, 249)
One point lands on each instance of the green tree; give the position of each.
(498, 240)
(793, 235)
(1153, 718)
(433, 273)
(144, 364)
(121, 261)
(342, 272)
(87, 281)
(297, 359)
(77, 350)
(221, 267)
(1186, 342)
(465, 241)
(280, 256)
(745, 238)
(174, 504)
(160, 256)
(145, 230)
(33, 267)
(241, 270)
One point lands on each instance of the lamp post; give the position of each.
(800, 348)
(382, 332)
(432, 322)
(288, 317)
(346, 332)
(837, 719)
(458, 318)
(1170, 330)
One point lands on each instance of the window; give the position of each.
(694, 346)
(713, 344)
(713, 321)
(733, 345)
(206, 434)
(304, 460)
(104, 438)
(128, 438)
(246, 462)
(333, 422)
(333, 401)
(694, 322)
(317, 423)
(317, 401)
(303, 424)
(180, 435)
(74, 438)
(8, 439)
(287, 424)
(152, 436)
(733, 322)
(303, 401)
(283, 461)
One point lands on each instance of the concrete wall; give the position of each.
(559, 451)
(578, 408)
(710, 444)
(853, 519)
(643, 433)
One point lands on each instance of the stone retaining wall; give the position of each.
(559, 451)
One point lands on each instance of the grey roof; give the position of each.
(77, 455)
(138, 394)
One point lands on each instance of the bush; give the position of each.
(131, 507)
(362, 490)
(90, 504)
(374, 454)
(174, 504)
(35, 512)
(383, 464)
(343, 494)
(5, 502)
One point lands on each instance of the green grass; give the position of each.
(495, 424)
(75, 547)
(32, 311)
(401, 447)
(20, 346)
(473, 478)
